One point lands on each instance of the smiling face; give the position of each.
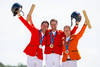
(44, 26)
(53, 24)
(67, 30)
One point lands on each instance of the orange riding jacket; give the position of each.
(73, 43)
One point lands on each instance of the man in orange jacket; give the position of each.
(70, 43)
(53, 46)
(34, 49)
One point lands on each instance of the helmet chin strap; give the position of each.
(21, 11)
(71, 21)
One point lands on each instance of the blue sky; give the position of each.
(14, 36)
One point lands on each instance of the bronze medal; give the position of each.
(67, 52)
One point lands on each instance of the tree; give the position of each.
(21, 65)
(2, 65)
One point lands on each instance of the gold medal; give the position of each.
(51, 45)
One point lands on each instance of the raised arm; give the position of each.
(79, 35)
(25, 22)
(75, 28)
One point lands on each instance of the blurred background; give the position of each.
(14, 36)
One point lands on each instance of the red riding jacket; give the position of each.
(33, 47)
(57, 44)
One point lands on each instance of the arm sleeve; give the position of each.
(74, 30)
(26, 24)
(79, 35)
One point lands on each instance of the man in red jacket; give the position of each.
(34, 49)
(53, 47)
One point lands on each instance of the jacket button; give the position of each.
(52, 51)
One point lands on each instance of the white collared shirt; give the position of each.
(54, 32)
(67, 38)
(42, 34)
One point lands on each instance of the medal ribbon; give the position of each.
(67, 43)
(41, 39)
(52, 39)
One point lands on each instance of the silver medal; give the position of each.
(40, 46)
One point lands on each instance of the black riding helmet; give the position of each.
(75, 15)
(15, 8)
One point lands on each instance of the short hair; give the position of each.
(67, 27)
(53, 20)
(45, 22)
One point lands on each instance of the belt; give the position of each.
(74, 50)
(68, 59)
